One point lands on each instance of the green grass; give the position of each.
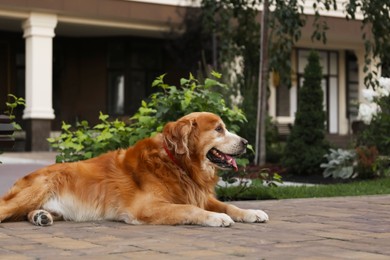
(258, 192)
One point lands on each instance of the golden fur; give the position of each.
(165, 179)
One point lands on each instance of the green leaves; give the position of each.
(83, 141)
(158, 81)
(175, 102)
(216, 74)
(11, 105)
(375, 18)
(339, 164)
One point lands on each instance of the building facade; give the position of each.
(342, 59)
(71, 59)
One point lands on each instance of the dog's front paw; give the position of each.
(218, 220)
(40, 218)
(251, 216)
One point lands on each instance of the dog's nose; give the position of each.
(244, 141)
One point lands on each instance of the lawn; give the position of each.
(259, 192)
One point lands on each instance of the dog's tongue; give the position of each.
(231, 161)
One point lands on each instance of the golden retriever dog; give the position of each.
(165, 179)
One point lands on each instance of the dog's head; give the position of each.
(203, 136)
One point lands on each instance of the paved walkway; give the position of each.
(19, 164)
(338, 228)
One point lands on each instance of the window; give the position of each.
(329, 64)
(283, 100)
(132, 67)
(352, 84)
(116, 79)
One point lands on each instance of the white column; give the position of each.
(343, 120)
(272, 97)
(39, 33)
(294, 86)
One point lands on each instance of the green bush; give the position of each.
(171, 103)
(363, 163)
(340, 164)
(274, 147)
(13, 102)
(366, 161)
(306, 145)
(377, 120)
(168, 104)
(83, 141)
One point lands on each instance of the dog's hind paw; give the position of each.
(40, 218)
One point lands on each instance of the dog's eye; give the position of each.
(219, 129)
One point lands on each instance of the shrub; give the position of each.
(274, 148)
(375, 113)
(366, 159)
(13, 102)
(340, 164)
(172, 103)
(83, 141)
(363, 163)
(168, 104)
(306, 144)
(382, 166)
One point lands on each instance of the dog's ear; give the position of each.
(176, 135)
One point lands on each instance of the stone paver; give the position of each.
(338, 228)
(313, 229)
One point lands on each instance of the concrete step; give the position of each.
(341, 141)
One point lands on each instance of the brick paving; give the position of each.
(338, 228)
(315, 229)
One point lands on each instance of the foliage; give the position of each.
(340, 164)
(170, 103)
(366, 157)
(306, 144)
(363, 163)
(270, 179)
(374, 141)
(84, 142)
(286, 22)
(375, 113)
(377, 43)
(274, 148)
(13, 103)
(240, 39)
(236, 25)
(382, 166)
(201, 55)
(237, 51)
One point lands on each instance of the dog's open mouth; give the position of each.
(222, 160)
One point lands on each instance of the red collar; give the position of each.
(170, 155)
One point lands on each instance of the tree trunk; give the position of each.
(260, 155)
